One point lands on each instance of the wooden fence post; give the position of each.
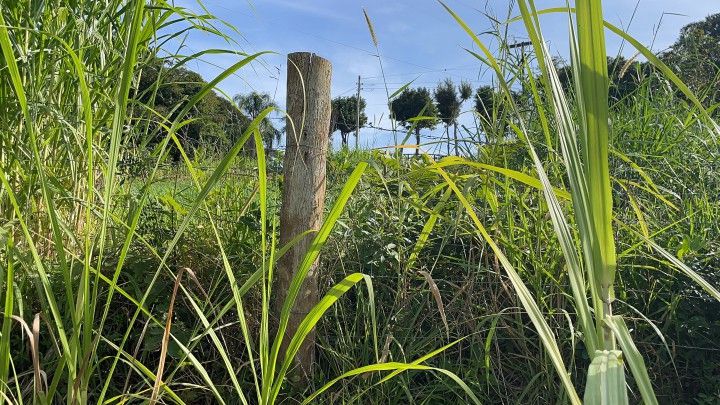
(303, 192)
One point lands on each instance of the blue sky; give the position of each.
(417, 38)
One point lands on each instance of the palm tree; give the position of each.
(253, 104)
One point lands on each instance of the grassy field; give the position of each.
(571, 257)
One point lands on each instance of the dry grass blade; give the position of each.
(38, 373)
(33, 337)
(438, 299)
(166, 336)
(386, 349)
(136, 351)
(629, 63)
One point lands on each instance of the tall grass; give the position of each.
(549, 232)
(71, 113)
(584, 140)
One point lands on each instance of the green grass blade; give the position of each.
(7, 312)
(16, 81)
(650, 56)
(528, 301)
(606, 379)
(310, 257)
(196, 205)
(309, 322)
(393, 366)
(427, 230)
(144, 370)
(264, 350)
(421, 359)
(633, 358)
(512, 174)
(678, 264)
(594, 87)
(567, 244)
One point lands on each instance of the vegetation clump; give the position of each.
(564, 250)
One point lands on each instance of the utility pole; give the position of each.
(357, 114)
(303, 192)
(522, 46)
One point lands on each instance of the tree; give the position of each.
(695, 56)
(216, 122)
(345, 117)
(485, 102)
(491, 108)
(448, 106)
(625, 76)
(253, 104)
(466, 92)
(415, 103)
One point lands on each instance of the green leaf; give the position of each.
(393, 366)
(311, 319)
(528, 301)
(633, 357)
(606, 379)
(301, 273)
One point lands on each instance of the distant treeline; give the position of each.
(218, 120)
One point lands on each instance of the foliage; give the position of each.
(345, 116)
(129, 277)
(415, 109)
(492, 111)
(485, 102)
(112, 254)
(216, 124)
(448, 102)
(696, 57)
(626, 76)
(448, 106)
(465, 91)
(253, 105)
(415, 103)
(584, 149)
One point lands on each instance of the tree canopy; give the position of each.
(486, 101)
(216, 122)
(448, 102)
(626, 75)
(345, 116)
(695, 57)
(253, 104)
(466, 91)
(413, 103)
(491, 107)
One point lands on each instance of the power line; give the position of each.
(345, 92)
(426, 69)
(357, 48)
(438, 70)
(428, 82)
